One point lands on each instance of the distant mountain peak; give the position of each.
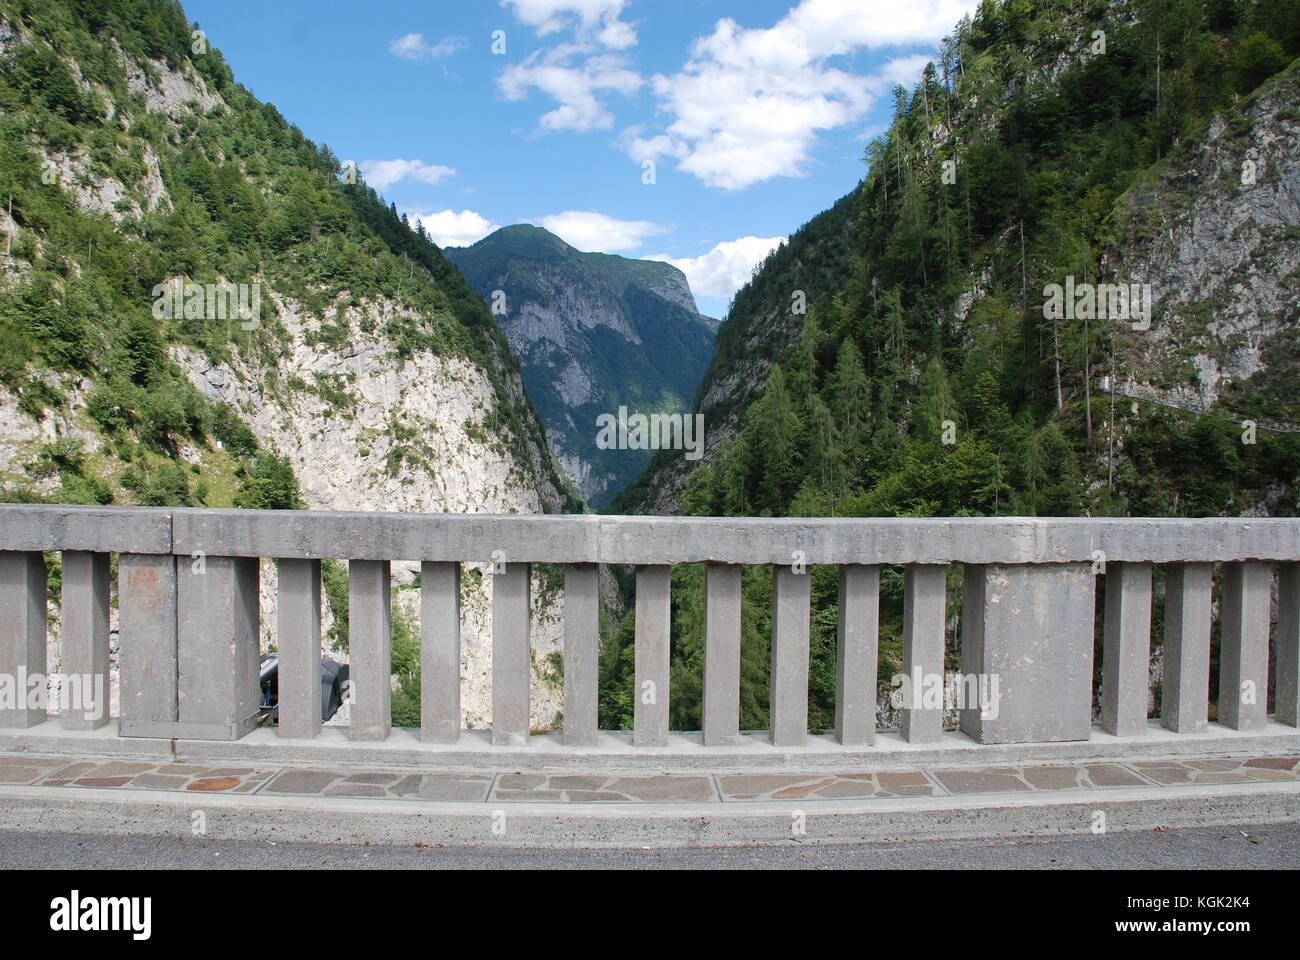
(595, 332)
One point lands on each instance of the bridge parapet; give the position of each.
(189, 632)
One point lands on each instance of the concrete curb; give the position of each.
(614, 751)
(542, 825)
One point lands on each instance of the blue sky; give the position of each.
(754, 113)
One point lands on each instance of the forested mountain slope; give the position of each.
(762, 326)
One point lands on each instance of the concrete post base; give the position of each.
(1027, 633)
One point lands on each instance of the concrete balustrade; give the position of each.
(1184, 706)
(721, 721)
(84, 632)
(857, 638)
(1127, 655)
(439, 652)
(650, 694)
(189, 620)
(298, 621)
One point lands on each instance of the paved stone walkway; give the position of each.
(505, 787)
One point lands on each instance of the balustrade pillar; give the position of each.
(370, 639)
(581, 653)
(83, 636)
(856, 641)
(1027, 637)
(1185, 688)
(511, 663)
(653, 616)
(1243, 655)
(146, 603)
(217, 691)
(298, 623)
(791, 593)
(22, 637)
(925, 589)
(721, 710)
(440, 652)
(1126, 649)
(1287, 696)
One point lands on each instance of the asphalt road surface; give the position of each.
(1210, 848)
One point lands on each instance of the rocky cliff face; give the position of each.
(1216, 232)
(594, 332)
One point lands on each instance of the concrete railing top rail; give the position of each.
(291, 534)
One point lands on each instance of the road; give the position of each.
(1219, 848)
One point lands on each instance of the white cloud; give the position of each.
(574, 87)
(413, 46)
(590, 231)
(596, 20)
(447, 228)
(904, 70)
(382, 174)
(840, 26)
(749, 103)
(726, 268)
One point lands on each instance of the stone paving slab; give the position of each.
(954, 780)
(157, 776)
(466, 787)
(1219, 770)
(841, 786)
(569, 788)
(25, 769)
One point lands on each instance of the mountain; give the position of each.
(594, 333)
(1056, 142)
(147, 197)
(1065, 287)
(761, 329)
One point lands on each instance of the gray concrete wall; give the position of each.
(189, 639)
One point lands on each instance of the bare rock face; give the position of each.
(1215, 234)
